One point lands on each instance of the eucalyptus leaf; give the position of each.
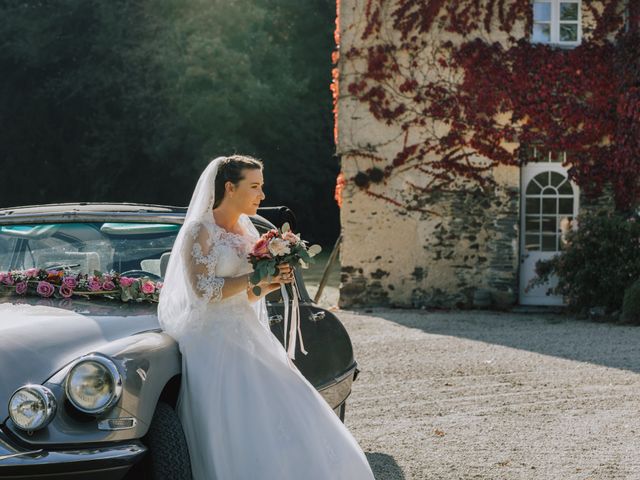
(270, 268)
(265, 270)
(304, 255)
(285, 227)
(126, 295)
(256, 277)
(256, 291)
(314, 250)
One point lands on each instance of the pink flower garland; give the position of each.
(61, 284)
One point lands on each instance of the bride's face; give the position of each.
(247, 194)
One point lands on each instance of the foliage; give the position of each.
(631, 303)
(435, 71)
(127, 101)
(599, 262)
(62, 283)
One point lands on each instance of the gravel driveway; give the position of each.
(485, 395)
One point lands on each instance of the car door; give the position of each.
(328, 346)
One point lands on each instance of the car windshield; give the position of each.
(134, 249)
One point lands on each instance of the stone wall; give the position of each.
(465, 255)
(462, 251)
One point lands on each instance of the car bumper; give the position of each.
(110, 462)
(336, 391)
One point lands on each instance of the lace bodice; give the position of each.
(194, 298)
(215, 254)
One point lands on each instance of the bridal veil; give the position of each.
(180, 308)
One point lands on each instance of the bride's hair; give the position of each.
(231, 169)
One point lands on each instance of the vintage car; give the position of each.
(89, 383)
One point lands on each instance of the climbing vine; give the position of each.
(468, 90)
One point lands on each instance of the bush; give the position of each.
(631, 303)
(598, 263)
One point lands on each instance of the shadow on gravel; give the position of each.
(384, 466)
(607, 344)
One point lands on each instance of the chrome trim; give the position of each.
(13, 455)
(142, 374)
(316, 317)
(72, 217)
(337, 392)
(339, 378)
(17, 462)
(273, 319)
(104, 424)
(50, 405)
(115, 374)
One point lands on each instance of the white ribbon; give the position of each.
(293, 327)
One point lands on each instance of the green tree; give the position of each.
(123, 100)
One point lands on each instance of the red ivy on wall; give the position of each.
(482, 95)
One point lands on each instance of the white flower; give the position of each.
(279, 247)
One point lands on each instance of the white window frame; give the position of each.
(555, 23)
(539, 154)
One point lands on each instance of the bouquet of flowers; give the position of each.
(272, 249)
(63, 284)
(277, 247)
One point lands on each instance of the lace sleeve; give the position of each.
(201, 264)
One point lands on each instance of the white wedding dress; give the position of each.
(246, 413)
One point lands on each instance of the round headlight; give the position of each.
(93, 384)
(32, 407)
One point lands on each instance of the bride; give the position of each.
(246, 413)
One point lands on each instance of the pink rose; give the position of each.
(8, 279)
(94, 285)
(31, 272)
(109, 285)
(106, 277)
(21, 288)
(148, 287)
(70, 282)
(261, 248)
(45, 289)
(65, 290)
(291, 237)
(3, 275)
(126, 281)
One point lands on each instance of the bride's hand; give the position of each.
(268, 285)
(285, 274)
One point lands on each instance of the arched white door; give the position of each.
(547, 196)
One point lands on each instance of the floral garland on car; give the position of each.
(63, 284)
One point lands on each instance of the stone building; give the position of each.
(467, 244)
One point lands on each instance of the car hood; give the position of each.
(37, 340)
